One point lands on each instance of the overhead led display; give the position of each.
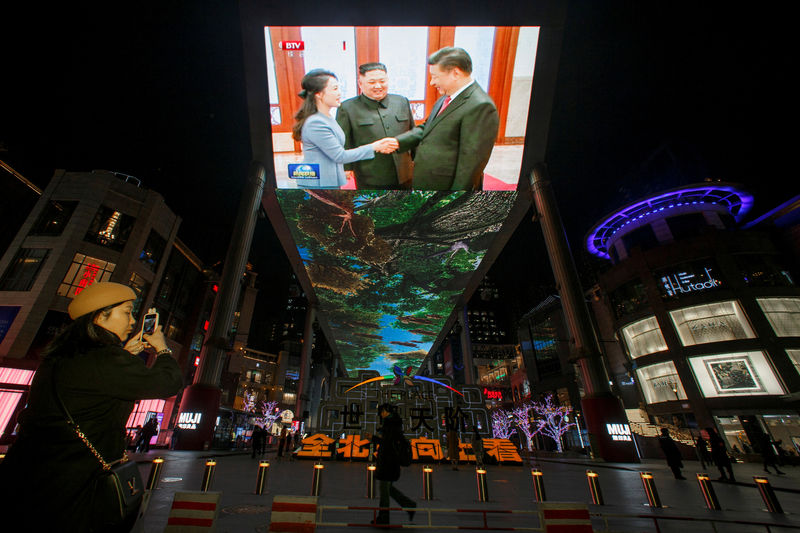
(387, 267)
(474, 143)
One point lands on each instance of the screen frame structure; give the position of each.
(548, 15)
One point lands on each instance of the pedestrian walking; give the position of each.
(149, 430)
(282, 441)
(452, 447)
(768, 454)
(671, 453)
(389, 440)
(701, 445)
(719, 454)
(477, 446)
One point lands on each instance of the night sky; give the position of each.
(650, 95)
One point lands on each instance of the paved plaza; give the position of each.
(509, 487)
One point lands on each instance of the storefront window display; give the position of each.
(783, 315)
(784, 430)
(660, 383)
(720, 321)
(735, 374)
(644, 337)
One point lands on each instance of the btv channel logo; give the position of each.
(291, 46)
(304, 171)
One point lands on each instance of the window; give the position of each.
(628, 298)
(153, 250)
(23, 269)
(110, 228)
(53, 218)
(764, 270)
(84, 271)
(660, 383)
(783, 315)
(721, 321)
(644, 337)
(735, 374)
(141, 287)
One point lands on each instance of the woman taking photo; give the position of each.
(322, 137)
(51, 480)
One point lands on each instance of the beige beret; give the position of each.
(97, 296)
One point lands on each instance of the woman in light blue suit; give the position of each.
(322, 137)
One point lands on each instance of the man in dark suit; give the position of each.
(372, 115)
(455, 142)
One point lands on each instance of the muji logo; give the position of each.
(291, 45)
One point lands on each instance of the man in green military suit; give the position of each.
(454, 144)
(372, 115)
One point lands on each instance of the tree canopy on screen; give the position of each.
(387, 266)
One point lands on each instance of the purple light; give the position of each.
(736, 201)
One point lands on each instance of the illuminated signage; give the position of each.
(189, 420)
(320, 446)
(620, 432)
(685, 282)
(492, 394)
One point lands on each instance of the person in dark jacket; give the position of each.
(388, 464)
(768, 454)
(48, 479)
(702, 451)
(149, 431)
(719, 454)
(671, 453)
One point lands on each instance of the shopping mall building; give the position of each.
(699, 315)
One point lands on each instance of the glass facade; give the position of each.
(84, 271)
(644, 337)
(23, 269)
(735, 374)
(660, 383)
(720, 321)
(53, 218)
(783, 315)
(110, 228)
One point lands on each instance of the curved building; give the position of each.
(700, 316)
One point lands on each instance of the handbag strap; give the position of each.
(106, 465)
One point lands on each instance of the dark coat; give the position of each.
(364, 121)
(671, 451)
(453, 148)
(719, 453)
(47, 476)
(388, 462)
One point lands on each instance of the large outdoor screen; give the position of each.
(388, 267)
(473, 141)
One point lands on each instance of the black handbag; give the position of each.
(118, 488)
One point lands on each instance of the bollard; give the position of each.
(371, 481)
(594, 487)
(538, 485)
(208, 475)
(155, 473)
(316, 480)
(768, 494)
(427, 482)
(650, 489)
(483, 490)
(712, 502)
(261, 479)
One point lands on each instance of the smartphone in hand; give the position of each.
(150, 322)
